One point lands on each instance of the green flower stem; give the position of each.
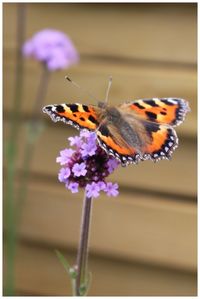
(22, 191)
(41, 93)
(82, 256)
(11, 156)
(33, 132)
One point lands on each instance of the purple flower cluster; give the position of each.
(87, 166)
(53, 48)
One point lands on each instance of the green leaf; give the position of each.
(84, 288)
(63, 261)
(70, 270)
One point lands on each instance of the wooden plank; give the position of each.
(159, 32)
(175, 176)
(38, 272)
(129, 83)
(131, 227)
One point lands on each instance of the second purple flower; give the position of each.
(52, 47)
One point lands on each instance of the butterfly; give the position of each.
(134, 131)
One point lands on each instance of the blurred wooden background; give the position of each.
(143, 242)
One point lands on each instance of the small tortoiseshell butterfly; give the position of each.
(131, 132)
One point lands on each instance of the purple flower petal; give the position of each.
(92, 137)
(111, 189)
(73, 187)
(92, 190)
(112, 164)
(89, 148)
(65, 156)
(57, 60)
(85, 133)
(75, 141)
(79, 169)
(28, 48)
(101, 185)
(64, 174)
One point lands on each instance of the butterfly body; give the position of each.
(138, 130)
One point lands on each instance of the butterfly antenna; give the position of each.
(78, 86)
(108, 89)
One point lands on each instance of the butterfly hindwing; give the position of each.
(160, 142)
(169, 111)
(114, 144)
(163, 141)
(77, 115)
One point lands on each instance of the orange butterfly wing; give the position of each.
(163, 141)
(77, 115)
(169, 111)
(157, 142)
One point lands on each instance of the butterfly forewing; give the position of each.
(77, 115)
(169, 111)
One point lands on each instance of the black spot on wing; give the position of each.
(73, 107)
(151, 115)
(48, 108)
(151, 127)
(163, 113)
(167, 102)
(82, 118)
(138, 105)
(92, 119)
(85, 108)
(152, 103)
(60, 109)
(104, 130)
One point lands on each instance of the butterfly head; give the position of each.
(102, 105)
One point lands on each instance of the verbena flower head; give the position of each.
(86, 166)
(53, 48)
